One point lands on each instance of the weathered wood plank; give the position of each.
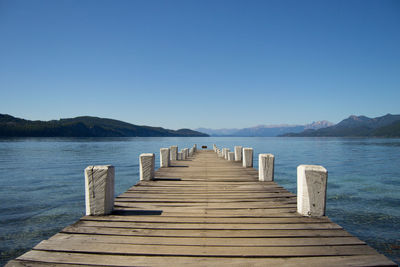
(122, 260)
(199, 251)
(210, 241)
(206, 226)
(204, 219)
(206, 232)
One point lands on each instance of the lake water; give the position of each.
(42, 181)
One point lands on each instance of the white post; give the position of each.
(231, 156)
(266, 167)
(164, 157)
(238, 153)
(226, 153)
(194, 148)
(146, 170)
(187, 152)
(99, 189)
(183, 154)
(247, 157)
(191, 152)
(173, 150)
(223, 152)
(179, 155)
(311, 190)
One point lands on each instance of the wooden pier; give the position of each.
(203, 211)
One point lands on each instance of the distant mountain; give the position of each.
(265, 130)
(83, 127)
(359, 126)
(217, 132)
(315, 125)
(272, 130)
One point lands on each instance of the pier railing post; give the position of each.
(247, 157)
(191, 152)
(183, 152)
(179, 156)
(311, 190)
(146, 170)
(227, 150)
(187, 152)
(238, 153)
(164, 157)
(223, 152)
(194, 148)
(99, 189)
(266, 167)
(173, 152)
(231, 156)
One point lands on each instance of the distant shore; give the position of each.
(85, 127)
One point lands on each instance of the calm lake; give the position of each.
(42, 181)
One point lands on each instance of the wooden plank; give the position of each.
(215, 205)
(245, 212)
(203, 219)
(199, 251)
(209, 241)
(206, 226)
(123, 260)
(206, 233)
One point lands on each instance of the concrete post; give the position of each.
(146, 169)
(179, 155)
(226, 153)
(231, 156)
(187, 152)
(238, 153)
(266, 167)
(247, 157)
(311, 190)
(99, 189)
(183, 152)
(191, 152)
(195, 148)
(164, 157)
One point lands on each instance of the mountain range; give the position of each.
(265, 130)
(353, 126)
(357, 126)
(83, 127)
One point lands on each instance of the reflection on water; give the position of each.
(42, 184)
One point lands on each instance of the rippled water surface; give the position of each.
(42, 181)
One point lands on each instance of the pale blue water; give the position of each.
(42, 181)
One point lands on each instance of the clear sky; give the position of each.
(199, 63)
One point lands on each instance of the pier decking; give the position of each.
(203, 211)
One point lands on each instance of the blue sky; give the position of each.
(189, 63)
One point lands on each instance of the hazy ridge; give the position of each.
(265, 130)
